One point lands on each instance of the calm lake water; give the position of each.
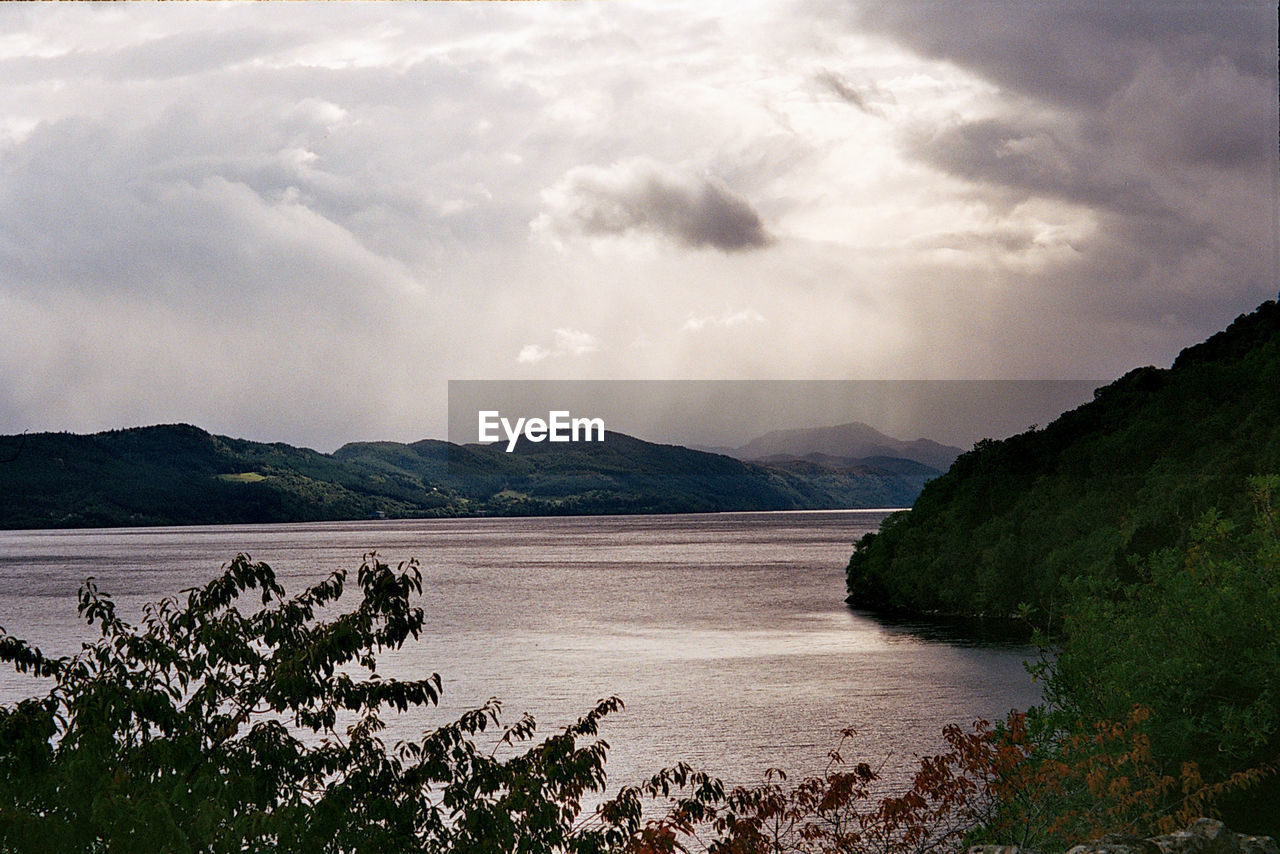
(724, 634)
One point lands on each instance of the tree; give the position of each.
(1193, 640)
(215, 729)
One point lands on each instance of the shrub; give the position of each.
(212, 729)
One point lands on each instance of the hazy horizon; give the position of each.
(718, 414)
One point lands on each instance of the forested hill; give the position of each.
(1121, 476)
(178, 474)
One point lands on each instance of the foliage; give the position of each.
(1126, 474)
(1193, 640)
(836, 811)
(213, 729)
(1051, 788)
(1024, 782)
(1019, 783)
(1122, 529)
(1164, 694)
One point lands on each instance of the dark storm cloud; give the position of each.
(1148, 85)
(1193, 83)
(1036, 162)
(861, 97)
(1080, 52)
(1151, 126)
(1198, 115)
(642, 195)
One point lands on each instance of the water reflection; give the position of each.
(955, 631)
(726, 635)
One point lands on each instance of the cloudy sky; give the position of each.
(296, 222)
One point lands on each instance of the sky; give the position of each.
(298, 222)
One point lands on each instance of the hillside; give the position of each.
(1105, 484)
(180, 474)
(620, 475)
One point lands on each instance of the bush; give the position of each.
(213, 729)
(1193, 641)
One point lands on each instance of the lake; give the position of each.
(725, 634)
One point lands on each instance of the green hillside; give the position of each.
(180, 474)
(1141, 533)
(1105, 484)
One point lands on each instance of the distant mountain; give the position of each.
(178, 474)
(854, 441)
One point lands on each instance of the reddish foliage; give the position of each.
(1008, 784)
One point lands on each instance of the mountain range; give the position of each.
(847, 444)
(180, 474)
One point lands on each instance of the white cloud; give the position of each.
(571, 343)
(531, 353)
(725, 320)
(575, 342)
